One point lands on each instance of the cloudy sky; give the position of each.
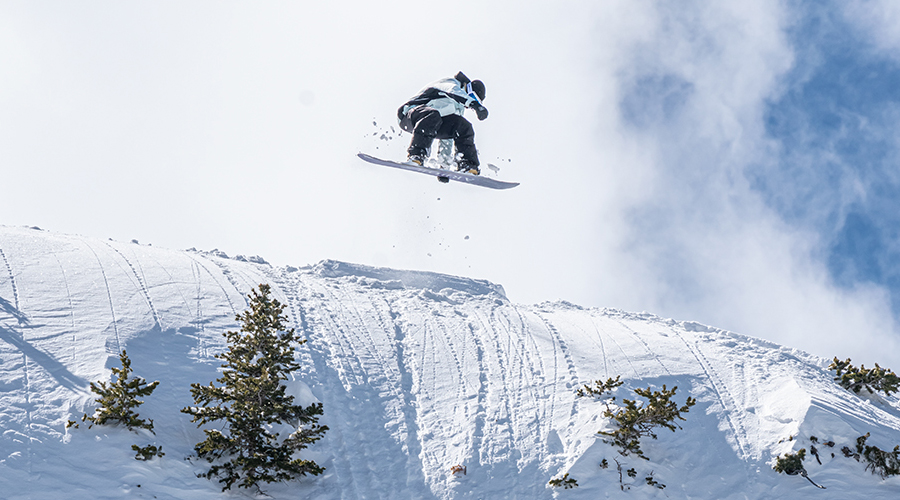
(732, 163)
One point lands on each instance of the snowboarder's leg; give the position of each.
(461, 131)
(425, 124)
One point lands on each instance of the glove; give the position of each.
(480, 111)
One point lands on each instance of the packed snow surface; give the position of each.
(418, 373)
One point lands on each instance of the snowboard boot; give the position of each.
(416, 160)
(418, 149)
(468, 168)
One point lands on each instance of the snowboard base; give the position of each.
(441, 174)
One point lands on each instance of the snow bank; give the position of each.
(391, 278)
(418, 372)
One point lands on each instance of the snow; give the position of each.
(418, 372)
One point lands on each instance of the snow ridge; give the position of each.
(391, 278)
(418, 372)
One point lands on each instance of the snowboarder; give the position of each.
(436, 112)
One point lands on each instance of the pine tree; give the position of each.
(600, 388)
(251, 398)
(791, 463)
(855, 379)
(565, 481)
(883, 463)
(636, 420)
(119, 399)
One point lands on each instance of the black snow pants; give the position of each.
(426, 124)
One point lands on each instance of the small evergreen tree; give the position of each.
(565, 481)
(635, 421)
(251, 398)
(791, 463)
(855, 379)
(119, 399)
(600, 388)
(653, 482)
(147, 452)
(883, 463)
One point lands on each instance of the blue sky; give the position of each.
(731, 163)
(837, 171)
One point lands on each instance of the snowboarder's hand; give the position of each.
(480, 111)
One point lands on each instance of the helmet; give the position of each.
(476, 87)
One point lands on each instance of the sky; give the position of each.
(734, 164)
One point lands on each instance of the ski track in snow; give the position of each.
(417, 372)
(226, 272)
(721, 391)
(12, 284)
(599, 342)
(215, 280)
(538, 371)
(22, 320)
(139, 283)
(647, 347)
(321, 320)
(627, 359)
(70, 304)
(112, 310)
(559, 346)
(198, 279)
(184, 300)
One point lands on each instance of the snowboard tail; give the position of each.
(477, 180)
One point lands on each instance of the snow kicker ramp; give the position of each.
(418, 372)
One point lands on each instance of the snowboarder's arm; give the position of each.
(473, 101)
(480, 110)
(470, 101)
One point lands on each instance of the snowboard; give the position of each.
(476, 180)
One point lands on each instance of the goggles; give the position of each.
(472, 94)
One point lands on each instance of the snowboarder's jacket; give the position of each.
(447, 96)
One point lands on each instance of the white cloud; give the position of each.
(877, 20)
(700, 242)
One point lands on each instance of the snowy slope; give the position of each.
(417, 371)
